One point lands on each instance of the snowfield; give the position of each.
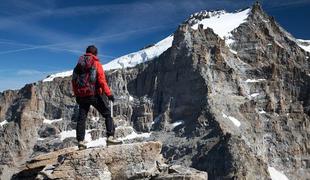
(141, 56)
(223, 23)
(304, 44)
(62, 75)
(89, 141)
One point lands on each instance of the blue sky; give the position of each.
(40, 37)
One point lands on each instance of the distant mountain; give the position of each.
(227, 93)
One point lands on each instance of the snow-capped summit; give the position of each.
(57, 75)
(141, 56)
(221, 22)
(198, 16)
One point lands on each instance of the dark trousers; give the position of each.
(101, 104)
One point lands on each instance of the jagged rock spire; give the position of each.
(257, 7)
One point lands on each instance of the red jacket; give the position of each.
(101, 79)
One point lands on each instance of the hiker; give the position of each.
(90, 88)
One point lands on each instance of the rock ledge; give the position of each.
(127, 161)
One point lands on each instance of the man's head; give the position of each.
(92, 49)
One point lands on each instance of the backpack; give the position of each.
(84, 78)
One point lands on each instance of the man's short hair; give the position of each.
(92, 49)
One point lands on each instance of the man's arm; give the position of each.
(102, 79)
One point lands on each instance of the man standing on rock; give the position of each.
(90, 88)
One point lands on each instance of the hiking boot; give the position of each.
(113, 141)
(82, 145)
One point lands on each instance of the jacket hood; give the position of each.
(90, 54)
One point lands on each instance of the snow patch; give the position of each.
(276, 175)
(97, 142)
(233, 120)
(47, 121)
(3, 123)
(134, 135)
(306, 48)
(48, 170)
(254, 80)
(254, 95)
(141, 56)
(262, 112)
(72, 133)
(88, 136)
(177, 123)
(66, 134)
(223, 23)
(58, 75)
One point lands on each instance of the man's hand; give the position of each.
(111, 98)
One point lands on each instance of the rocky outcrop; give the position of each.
(232, 110)
(128, 161)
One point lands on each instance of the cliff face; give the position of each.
(234, 110)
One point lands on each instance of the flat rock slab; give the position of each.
(126, 161)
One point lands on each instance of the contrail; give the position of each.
(30, 47)
(93, 39)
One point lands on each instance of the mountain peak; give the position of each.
(257, 7)
(205, 14)
(221, 22)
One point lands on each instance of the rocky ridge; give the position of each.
(236, 109)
